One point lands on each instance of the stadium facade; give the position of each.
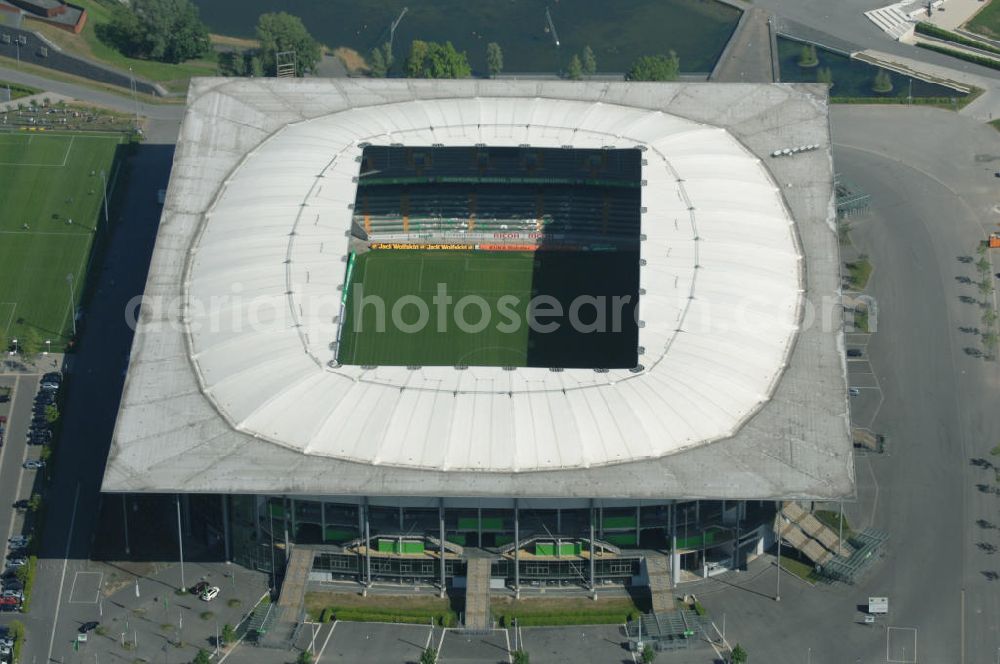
(241, 398)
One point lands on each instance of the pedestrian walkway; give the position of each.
(658, 570)
(290, 604)
(477, 595)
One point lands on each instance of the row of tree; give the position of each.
(436, 60)
(172, 31)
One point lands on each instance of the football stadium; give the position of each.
(491, 334)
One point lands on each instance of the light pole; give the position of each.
(128, 551)
(180, 538)
(104, 179)
(48, 346)
(72, 301)
(14, 352)
(135, 100)
(777, 586)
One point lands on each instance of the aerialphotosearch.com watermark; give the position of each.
(754, 314)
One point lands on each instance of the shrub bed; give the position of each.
(962, 55)
(932, 30)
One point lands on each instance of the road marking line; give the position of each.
(430, 635)
(510, 654)
(443, 632)
(62, 579)
(68, 149)
(72, 589)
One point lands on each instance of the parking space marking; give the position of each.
(890, 653)
(319, 655)
(84, 589)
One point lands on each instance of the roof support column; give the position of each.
(593, 551)
(444, 580)
(638, 515)
(517, 553)
(288, 544)
(368, 549)
(225, 526)
(675, 558)
(361, 535)
(479, 527)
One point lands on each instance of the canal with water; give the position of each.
(618, 32)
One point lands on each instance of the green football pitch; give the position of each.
(391, 276)
(46, 180)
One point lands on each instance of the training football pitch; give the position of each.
(415, 307)
(401, 279)
(45, 182)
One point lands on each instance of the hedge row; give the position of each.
(407, 616)
(566, 618)
(923, 101)
(932, 30)
(962, 55)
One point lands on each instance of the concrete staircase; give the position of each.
(477, 595)
(658, 570)
(891, 20)
(805, 533)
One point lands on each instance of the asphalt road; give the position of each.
(931, 177)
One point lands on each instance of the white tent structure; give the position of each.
(239, 381)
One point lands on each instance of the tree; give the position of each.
(574, 70)
(824, 75)
(278, 32)
(739, 655)
(589, 61)
(655, 68)
(305, 657)
(433, 60)
(648, 654)
(376, 64)
(45, 453)
(981, 249)
(990, 340)
(51, 413)
(163, 30)
(807, 57)
(521, 657)
(228, 634)
(883, 82)
(35, 502)
(232, 63)
(494, 59)
(201, 658)
(984, 266)
(380, 60)
(985, 288)
(30, 343)
(428, 656)
(990, 317)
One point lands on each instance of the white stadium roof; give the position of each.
(259, 204)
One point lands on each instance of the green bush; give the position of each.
(934, 31)
(26, 575)
(17, 633)
(406, 616)
(327, 615)
(228, 634)
(566, 618)
(962, 55)
(699, 609)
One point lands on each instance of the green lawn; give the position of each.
(17, 91)
(391, 275)
(174, 77)
(987, 21)
(46, 182)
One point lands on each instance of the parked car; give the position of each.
(34, 464)
(18, 541)
(210, 594)
(21, 504)
(10, 604)
(853, 391)
(89, 626)
(854, 352)
(200, 587)
(16, 562)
